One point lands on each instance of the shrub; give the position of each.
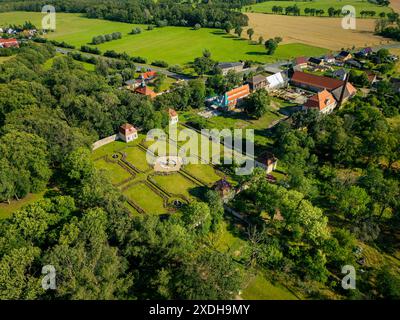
(160, 63)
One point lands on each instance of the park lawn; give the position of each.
(6, 210)
(203, 172)
(115, 146)
(4, 59)
(259, 288)
(176, 45)
(176, 184)
(146, 198)
(167, 84)
(359, 5)
(115, 172)
(137, 157)
(228, 242)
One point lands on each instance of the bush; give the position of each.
(90, 50)
(139, 59)
(176, 69)
(160, 63)
(136, 31)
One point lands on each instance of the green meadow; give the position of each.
(176, 45)
(359, 5)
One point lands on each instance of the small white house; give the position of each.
(128, 132)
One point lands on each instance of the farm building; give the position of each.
(313, 82)
(300, 63)
(127, 132)
(340, 74)
(149, 75)
(173, 116)
(343, 56)
(276, 81)
(315, 61)
(233, 97)
(9, 43)
(329, 58)
(146, 91)
(322, 101)
(230, 66)
(258, 82)
(348, 93)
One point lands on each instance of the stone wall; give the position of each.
(105, 141)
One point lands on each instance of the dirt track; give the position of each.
(320, 32)
(395, 4)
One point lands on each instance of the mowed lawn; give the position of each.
(136, 157)
(176, 184)
(176, 45)
(359, 5)
(203, 172)
(146, 198)
(115, 172)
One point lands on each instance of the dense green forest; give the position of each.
(341, 190)
(162, 12)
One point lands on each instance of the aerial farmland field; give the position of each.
(176, 45)
(359, 5)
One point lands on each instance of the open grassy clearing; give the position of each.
(176, 45)
(6, 210)
(203, 172)
(314, 31)
(146, 198)
(359, 5)
(49, 63)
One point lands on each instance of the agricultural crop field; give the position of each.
(359, 5)
(315, 31)
(176, 45)
(148, 191)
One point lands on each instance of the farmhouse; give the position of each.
(329, 59)
(315, 61)
(9, 43)
(322, 101)
(300, 63)
(149, 75)
(173, 116)
(313, 82)
(343, 56)
(258, 82)
(146, 91)
(127, 132)
(230, 66)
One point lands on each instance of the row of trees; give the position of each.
(107, 37)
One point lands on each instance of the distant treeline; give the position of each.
(144, 11)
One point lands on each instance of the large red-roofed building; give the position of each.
(9, 43)
(315, 83)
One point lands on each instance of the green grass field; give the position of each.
(137, 157)
(146, 198)
(202, 172)
(176, 184)
(176, 45)
(359, 5)
(115, 172)
(6, 209)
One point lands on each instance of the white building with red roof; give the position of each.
(322, 101)
(9, 43)
(128, 132)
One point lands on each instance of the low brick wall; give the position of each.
(104, 141)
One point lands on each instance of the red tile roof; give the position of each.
(148, 75)
(300, 60)
(146, 91)
(127, 129)
(6, 43)
(315, 81)
(320, 100)
(238, 93)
